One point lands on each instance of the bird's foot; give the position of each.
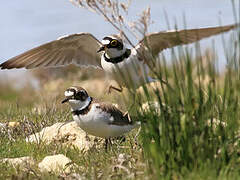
(126, 113)
(111, 87)
(128, 116)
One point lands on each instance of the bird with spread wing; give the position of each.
(119, 62)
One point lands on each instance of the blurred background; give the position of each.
(26, 24)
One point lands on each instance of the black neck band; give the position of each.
(83, 111)
(118, 59)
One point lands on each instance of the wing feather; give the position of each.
(23, 59)
(118, 116)
(79, 49)
(157, 42)
(51, 60)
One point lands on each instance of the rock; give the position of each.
(22, 162)
(56, 163)
(13, 124)
(47, 134)
(69, 134)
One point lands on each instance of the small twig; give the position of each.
(114, 25)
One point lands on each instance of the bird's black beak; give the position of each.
(66, 100)
(101, 49)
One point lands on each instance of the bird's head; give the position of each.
(112, 46)
(77, 97)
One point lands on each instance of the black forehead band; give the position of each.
(108, 38)
(120, 45)
(82, 91)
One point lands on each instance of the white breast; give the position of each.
(131, 72)
(97, 122)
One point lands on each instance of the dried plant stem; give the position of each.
(113, 24)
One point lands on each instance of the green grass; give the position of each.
(185, 138)
(93, 164)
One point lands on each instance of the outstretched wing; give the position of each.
(79, 49)
(156, 42)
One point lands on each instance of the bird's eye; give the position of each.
(80, 96)
(114, 43)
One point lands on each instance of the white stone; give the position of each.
(69, 134)
(13, 124)
(21, 162)
(56, 163)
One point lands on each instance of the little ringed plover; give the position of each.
(120, 63)
(95, 117)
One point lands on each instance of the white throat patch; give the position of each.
(113, 52)
(86, 103)
(79, 105)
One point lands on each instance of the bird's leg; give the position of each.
(120, 89)
(110, 142)
(125, 114)
(128, 116)
(131, 106)
(106, 144)
(107, 141)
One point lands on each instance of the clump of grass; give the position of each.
(196, 127)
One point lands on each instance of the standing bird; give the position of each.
(95, 117)
(120, 63)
